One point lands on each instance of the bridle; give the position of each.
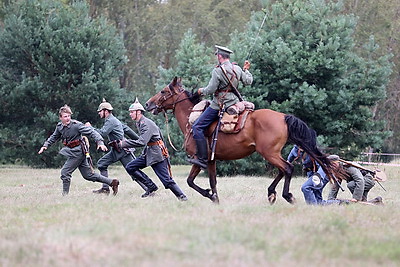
(160, 102)
(161, 107)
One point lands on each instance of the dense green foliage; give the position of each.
(52, 54)
(305, 64)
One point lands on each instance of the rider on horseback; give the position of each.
(222, 90)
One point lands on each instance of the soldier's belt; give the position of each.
(73, 143)
(222, 91)
(160, 143)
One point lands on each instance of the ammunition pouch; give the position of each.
(115, 144)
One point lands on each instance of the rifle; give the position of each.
(234, 89)
(215, 134)
(374, 173)
(85, 149)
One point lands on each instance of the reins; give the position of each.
(162, 108)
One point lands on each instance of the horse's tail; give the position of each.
(306, 138)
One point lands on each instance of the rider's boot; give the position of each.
(202, 154)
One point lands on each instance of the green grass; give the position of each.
(39, 227)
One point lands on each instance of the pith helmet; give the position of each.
(136, 106)
(65, 109)
(222, 50)
(104, 105)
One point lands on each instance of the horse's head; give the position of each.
(168, 97)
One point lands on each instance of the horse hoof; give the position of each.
(272, 198)
(290, 198)
(214, 198)
(207, 193)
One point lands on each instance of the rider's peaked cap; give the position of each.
(222, 50)
(136, 106)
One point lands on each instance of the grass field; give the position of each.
(39, 227)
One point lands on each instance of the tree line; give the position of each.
(314, 59)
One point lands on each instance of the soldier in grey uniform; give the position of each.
(359, 183)
(221, 88)
(71, 131)
(155, 153)
(115, 130)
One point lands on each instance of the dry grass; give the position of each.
(39, 227)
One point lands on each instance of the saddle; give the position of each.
(233, 119)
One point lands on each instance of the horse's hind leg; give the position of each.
(288, 170)
(190, 180)
(272, 187)
(285, 169)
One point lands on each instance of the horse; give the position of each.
(265, 131)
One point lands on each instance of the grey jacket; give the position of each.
(219, 82)
(360, 182)
(115, 130)
(73, 131)
(149, 132)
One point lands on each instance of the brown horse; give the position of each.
(265, 131)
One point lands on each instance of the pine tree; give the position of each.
(305, 63)
(53, 54)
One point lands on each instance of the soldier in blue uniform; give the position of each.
(71, 131)
(155, 153)
(317, 179)
(115, 130)
(221, 88)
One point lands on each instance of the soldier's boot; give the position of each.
(114, 185)
(365, 196)
(376, 201)
(105, 189)
(141, 184)
(178, 192)
(66, 186)
(147, 184)
(202, 154)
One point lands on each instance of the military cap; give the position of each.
(222, 50)
(104, 105)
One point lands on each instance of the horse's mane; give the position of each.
(193, 97)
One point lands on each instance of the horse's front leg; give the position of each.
(212, 174)
(190, 180)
